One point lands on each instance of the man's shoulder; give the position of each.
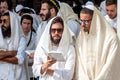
(42, 24)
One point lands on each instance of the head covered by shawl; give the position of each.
(16, 32)
(97, 52)
(45, 40)
(66, 12)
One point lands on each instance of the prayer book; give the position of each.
(29, 51)
(2, 49)
(56, 55)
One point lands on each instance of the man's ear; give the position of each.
(52, 10)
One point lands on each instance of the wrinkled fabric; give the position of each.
(97, 52)
(62, 70)
(10, 71)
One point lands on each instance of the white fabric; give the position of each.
(40, 30)
(91, 7)
(102, 8)
(118, 18)
(112, 22)
(14, 35)
(19, 7)
(63, 70)
(97, 53)
(10, 71)
(68, 15)
(31, 46)
(74, 27)
(66, 12)
(36, 21)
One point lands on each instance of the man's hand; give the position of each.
(5, 54)
(31, 55)
(45, 66)
(50, 61)
(50, 72)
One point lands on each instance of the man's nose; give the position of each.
(56, 32)
(82, 24)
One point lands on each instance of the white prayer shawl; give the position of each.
(66, 12)
(102, 8)
(31, 46)
(98, 53)
(10, 71)
(14, 34)
(68, 15)
(40, 31)
(64, 48)
(118, 18)
(36, 21)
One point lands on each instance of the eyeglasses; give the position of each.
(59, 30)
(84, 21)
(4, 21)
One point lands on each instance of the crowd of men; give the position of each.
(32, 45)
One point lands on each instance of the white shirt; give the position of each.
(112, 22)
(31, 46)
(74, 27)
(62, 70)
(40, 30)
(9, 71)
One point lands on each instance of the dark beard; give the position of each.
(57, 41)
(48, 15)
(6, 33)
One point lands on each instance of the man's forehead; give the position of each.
(44, 5)
(3, 3)
(5, 17)
(85, 16)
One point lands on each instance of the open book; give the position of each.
(29, 51)
(56, 55)
(2, 49)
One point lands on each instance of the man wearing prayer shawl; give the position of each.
(30, 34)
(56, 37)
(97, 48)
(52, 8)
(12, 47)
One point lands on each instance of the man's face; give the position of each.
(3, 7)
(111, 11)
(45, 12)
(26, 26)
(85, 20)
(5, 24)
(56, 32)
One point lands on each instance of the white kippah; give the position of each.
(91, 7)
(18, 7)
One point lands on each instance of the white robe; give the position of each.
(9, 71)
(62, 70)
(97, 53)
